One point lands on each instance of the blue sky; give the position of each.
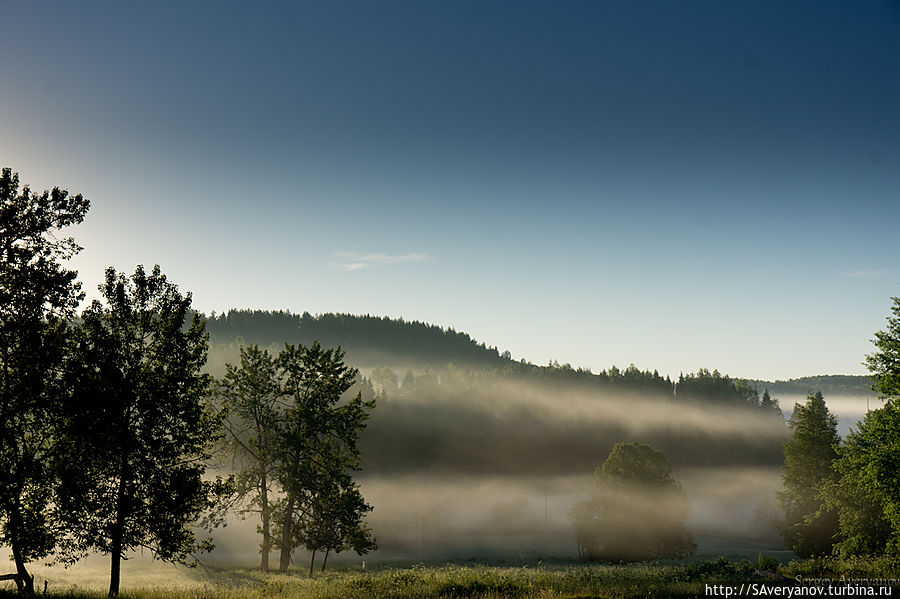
(674, 184)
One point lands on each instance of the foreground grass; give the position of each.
(420, 582)
(448, 582)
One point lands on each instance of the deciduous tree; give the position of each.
(141, 427)
(867, 494)
(251, 402)
(640, 512)
(37, 294)
(320, 434)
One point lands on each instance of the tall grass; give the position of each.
(482, 582)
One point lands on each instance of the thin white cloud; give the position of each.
(357, 261)
(868, 274)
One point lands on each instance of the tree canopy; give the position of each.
(37, 294)
(141, 428)
(867, 494)
(639, 513)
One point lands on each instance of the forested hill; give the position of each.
(834, 384)
(371, 341)
(367, 340)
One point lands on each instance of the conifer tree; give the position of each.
(809, 525)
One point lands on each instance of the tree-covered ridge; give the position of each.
(371, 341)
(828, 384)
(366, 339)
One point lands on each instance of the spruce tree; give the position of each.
(809, 525)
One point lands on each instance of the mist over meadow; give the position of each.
(485, 457)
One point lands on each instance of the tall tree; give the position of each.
(141, 426)
(250, 397)
(37, 295)
(639, 513)
(867, 495)
(809, 526)
(321, 430)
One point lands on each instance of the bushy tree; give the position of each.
(639, 513)
(809, 526)
(140, 427)
(867, 494)
(37, 295)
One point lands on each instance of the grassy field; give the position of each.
(449, 581)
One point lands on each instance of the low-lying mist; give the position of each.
(515, 427)
(487, 466)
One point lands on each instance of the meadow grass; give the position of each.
(478, 581)
(444, 582)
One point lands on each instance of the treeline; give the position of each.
(367, 340)
(829, 385)
(370, 341)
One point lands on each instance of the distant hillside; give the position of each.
(830, 384)
(451, 405)
(367, 340)
(371, 341)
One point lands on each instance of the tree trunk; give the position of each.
(24, 581)
(325, 561)
(286, 540)
(312, 561)
(267, 540)
(115, 568)
(118, 532)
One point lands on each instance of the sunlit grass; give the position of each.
(420, 582)
(450, 581)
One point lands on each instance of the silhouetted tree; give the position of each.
(320, 432)
(141, 429)
(809, 526)
(250, 400)
(37, 295)
(639, 513)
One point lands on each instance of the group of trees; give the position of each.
(290, 428)
(840, 497)
(844, 496)
(104, 430)
(108, 420)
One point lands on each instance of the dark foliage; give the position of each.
(37, 295)
(140, 431)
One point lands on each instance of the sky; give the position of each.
(678, 185)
